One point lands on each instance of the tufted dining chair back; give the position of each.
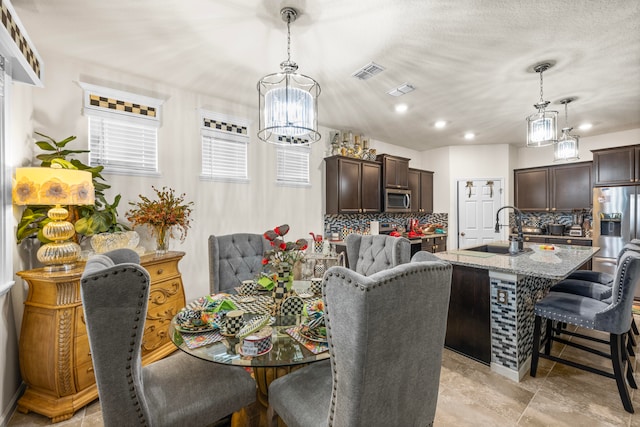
(234, 258)
(386, 337)
(177, 390)
(368, 255)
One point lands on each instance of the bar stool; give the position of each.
(595, 284)
(613, 318)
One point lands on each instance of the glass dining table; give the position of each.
(289, 351)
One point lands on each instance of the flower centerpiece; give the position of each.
(281, 258)
(168, 216)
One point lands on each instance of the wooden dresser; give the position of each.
(55, 361)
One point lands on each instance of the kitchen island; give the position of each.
(492, 300)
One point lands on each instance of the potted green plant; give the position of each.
(88, 220)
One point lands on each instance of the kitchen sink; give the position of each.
(496, 249)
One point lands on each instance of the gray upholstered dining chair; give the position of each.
(613, 318)
(386, 335)
(177, 390)
(234, 258)
(370, 254)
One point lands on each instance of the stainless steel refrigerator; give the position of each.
(615, 222)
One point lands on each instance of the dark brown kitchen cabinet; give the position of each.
(571, 186)
(434, 244)
(554, 188)
(395, 171)
(469, 316)
(531, 189)
(617, 166)
(421, 186)
(352, 185)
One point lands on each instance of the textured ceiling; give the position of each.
(468, 59)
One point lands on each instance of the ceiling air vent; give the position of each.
(368, 71)
(402, 89)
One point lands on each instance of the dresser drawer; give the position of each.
(81, 325)
(162, 270)
(82, 350)
(162, 307)
(85, 376)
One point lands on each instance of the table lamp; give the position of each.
(41, 186)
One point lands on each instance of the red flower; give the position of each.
(304, 247)
(265, 261)
(283, 246)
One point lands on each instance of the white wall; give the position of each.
(543, 156)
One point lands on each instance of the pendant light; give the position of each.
(542, 127)
(566, 149)
(288, 101)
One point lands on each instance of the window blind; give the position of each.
(292, 165)
(122, 145)
(224, 156)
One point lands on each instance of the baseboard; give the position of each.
(13, 404)
(510, 373)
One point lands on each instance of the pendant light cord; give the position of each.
(288, 37)
(541, 97)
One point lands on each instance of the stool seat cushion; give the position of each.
(583, 288)
(592, 276)
(569, 308)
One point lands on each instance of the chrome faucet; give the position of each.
(518, 216)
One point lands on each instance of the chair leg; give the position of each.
(634, 326)
(627, 362)
(536, 346)
(548, 332)
(617, 349)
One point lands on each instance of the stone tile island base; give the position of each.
(512, 302)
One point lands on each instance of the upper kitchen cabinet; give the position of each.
(421, 186)
(617, 166)
(352, 185)
(553, 188)
(571, 186)
(395, 171)
(531, 189)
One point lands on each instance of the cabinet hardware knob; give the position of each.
(568, 241)
(160, 271)
(90, 369)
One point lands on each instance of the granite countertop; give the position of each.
(551, 236)
(555, 265)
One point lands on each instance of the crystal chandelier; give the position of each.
(288, 101)
(542, 127)
(566, 149)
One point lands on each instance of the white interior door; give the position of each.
(478, 202)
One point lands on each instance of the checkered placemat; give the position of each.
(260, 305)
(312, 346)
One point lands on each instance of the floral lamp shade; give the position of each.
(53, 186)
(59, 187)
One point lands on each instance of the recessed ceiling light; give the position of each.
(440, 124)
(401, 108)
(469, 135)
(585, 126)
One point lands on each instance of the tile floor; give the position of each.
(471, 395)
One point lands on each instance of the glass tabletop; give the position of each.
(286, 350)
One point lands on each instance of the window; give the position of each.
(292, 165)
(225, 144)
(123, 130)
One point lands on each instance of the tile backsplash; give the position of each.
(359, 223)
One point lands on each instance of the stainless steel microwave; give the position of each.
(396, 200)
